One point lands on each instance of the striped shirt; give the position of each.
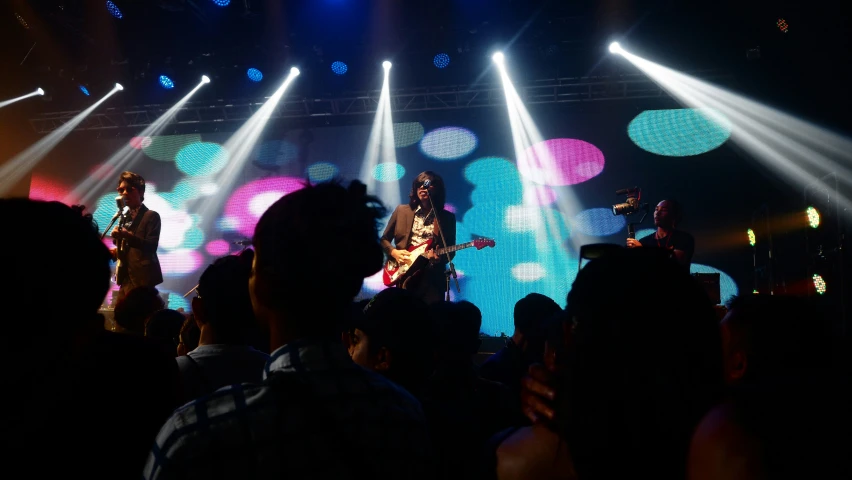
(315, 415)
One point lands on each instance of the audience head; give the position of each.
(456, 328)
(291, 275)
(84, 272)
(638, 378)
(164, 327)
(189, 335)
(139, 304)
(392, 337)
(668, 214)
(531, 314)
(770, 336)
(223, 303)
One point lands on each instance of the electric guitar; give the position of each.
(394, 273)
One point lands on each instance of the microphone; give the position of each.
(119, 202)
(427, 184)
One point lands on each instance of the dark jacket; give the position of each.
(139, 253)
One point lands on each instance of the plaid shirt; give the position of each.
(315, 415)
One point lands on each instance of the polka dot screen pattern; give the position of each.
(524, 204)
(680, 132)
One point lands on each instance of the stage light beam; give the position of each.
(615, 48)
(126, 156)
(381, 148)
(798, 152)
(15, 169)
(22, 97)
(239, 147)
(205, 79)
(498, 58)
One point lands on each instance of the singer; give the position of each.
(413, 224)
(136, 240)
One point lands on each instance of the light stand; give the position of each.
(452, 269)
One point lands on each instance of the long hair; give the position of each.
(439, 193)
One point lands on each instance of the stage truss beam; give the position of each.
(553, 91)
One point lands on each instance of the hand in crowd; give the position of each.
(633, 243)
(538, 394)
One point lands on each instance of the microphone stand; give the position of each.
(452, 270)
(111, 222)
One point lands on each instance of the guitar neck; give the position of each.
(453, 248)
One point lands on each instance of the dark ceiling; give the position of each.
(65, 43)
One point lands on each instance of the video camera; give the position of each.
(631, 205)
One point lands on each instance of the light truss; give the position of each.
(552, 91)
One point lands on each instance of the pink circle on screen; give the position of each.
(48, 189)
(218, 248)
(240, 206)
(540, 195)
(561, 161)
(180, 262)
(140, 142)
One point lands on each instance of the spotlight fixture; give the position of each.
(166, 82)
(498, 57)
(254, 74)
(222, 3)
(813, 217)
(752, 240)
(205, 79)
(40, 91)
(118, 86)
(386, 65)
(113, 9)
(819, 284)
(339, 68)
(615, 47)
(294, 71)
(441, 60)
(84, 89)
(782, 25)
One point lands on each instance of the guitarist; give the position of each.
(414, 223)
(137, 240)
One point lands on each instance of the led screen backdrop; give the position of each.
(537, 216)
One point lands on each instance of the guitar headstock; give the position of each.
(481, 243)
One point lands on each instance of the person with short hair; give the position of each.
(316, 414)
(137, 264)
(223, 312)
(667, 216)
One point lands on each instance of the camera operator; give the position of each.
(667, 216)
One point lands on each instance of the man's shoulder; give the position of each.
(229, 409)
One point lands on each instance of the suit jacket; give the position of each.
(399, 226)
(138, 255)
